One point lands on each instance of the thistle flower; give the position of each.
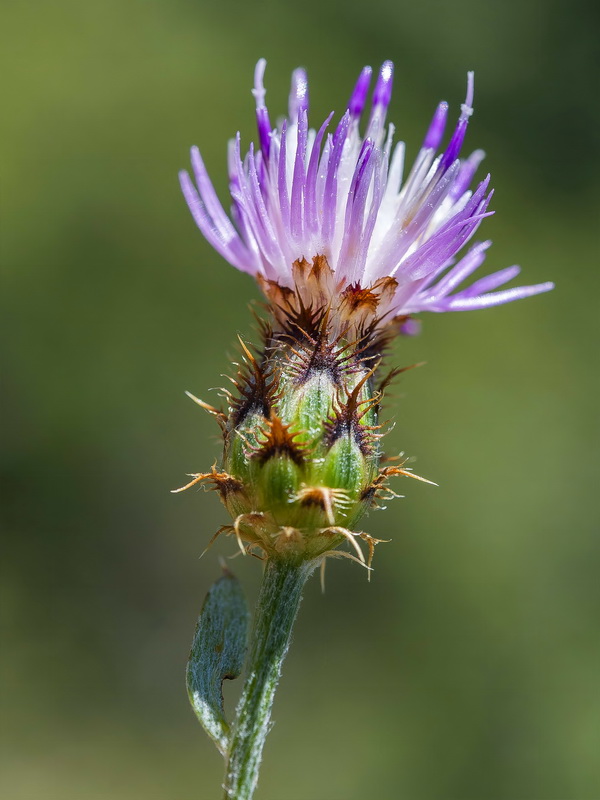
(345, 251)
(305, 193)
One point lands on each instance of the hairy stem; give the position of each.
(276, 610)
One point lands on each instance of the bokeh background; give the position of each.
(468, 668)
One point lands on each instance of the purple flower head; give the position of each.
(341, 197)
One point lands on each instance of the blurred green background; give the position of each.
(468, 668)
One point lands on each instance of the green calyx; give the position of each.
(306, 450)
(302, 452)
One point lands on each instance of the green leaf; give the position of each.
(218, 654)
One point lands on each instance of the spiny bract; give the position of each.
(302, 434)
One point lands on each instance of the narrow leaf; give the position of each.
(218, 654)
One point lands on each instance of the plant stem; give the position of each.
(276, 610)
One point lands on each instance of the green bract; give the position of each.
(302, 449)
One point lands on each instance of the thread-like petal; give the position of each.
(304, 194)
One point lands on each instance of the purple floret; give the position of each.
(341, 195)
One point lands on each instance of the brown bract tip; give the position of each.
(254, 384)
(215, 412)
(348, 415)
(278, 440)
(379, 489)
(323, 497)
(222, 482)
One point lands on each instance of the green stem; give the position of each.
(276, 610)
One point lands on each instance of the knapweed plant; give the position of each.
(346, 250)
